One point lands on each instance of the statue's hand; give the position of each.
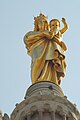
(63, 20)
(51, 34)
(47, 34)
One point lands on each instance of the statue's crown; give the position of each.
(40, 17)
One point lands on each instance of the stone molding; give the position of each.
(41, 101)
(45, 87)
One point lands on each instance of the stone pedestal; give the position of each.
(44, 88)
(45, 101)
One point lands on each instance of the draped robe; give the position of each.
(45, 53)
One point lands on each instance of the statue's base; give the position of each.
(44, 87)
(45, 101)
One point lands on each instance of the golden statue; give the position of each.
(47, 50)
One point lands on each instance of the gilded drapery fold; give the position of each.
(45, 53)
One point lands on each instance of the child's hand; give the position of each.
(63, 20)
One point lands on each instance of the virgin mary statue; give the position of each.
(47, 50)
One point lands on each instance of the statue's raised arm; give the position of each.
(65, 26)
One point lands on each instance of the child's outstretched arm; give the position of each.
(65, 26)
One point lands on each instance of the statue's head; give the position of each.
(40, 23)
(54, 24)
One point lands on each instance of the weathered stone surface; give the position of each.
(41, 102)
(5, 117)
(45, 88)
(0, 115)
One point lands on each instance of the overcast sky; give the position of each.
(16, 19)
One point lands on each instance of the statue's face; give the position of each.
(54, 25)
(42, 25)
